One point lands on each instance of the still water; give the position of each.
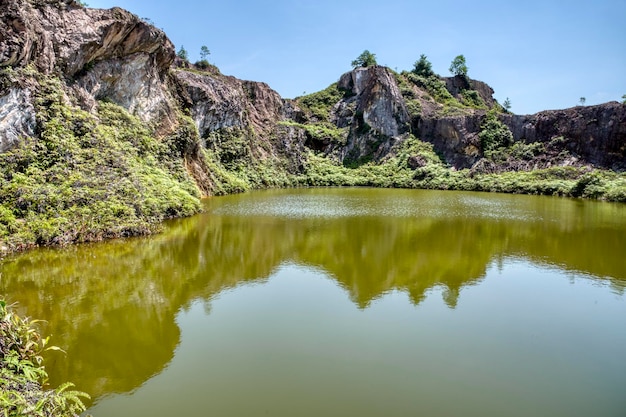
(345, 302)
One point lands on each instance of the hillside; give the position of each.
(104, 132)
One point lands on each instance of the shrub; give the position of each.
(318, 105)
(22, 374)
(471, 98)
(494, 134)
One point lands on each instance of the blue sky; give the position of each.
(541, 54)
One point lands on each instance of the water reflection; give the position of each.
(113, 306)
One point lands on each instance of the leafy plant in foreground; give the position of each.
(22, 373)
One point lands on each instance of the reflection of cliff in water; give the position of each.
(113, 306)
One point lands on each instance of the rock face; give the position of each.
(223, 106)
(17, 118)
(457, 84)
(455, 138)
(60, 35)
(596, 134)
(375, 111)
(113, 55)
(108, 54)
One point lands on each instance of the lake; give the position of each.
(344, 302)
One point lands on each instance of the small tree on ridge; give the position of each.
(182, 53)
(204, 53)
(423, 67)
(507, 104)
(366, 59)
(458, 66)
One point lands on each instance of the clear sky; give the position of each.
(542, 54)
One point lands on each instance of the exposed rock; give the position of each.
(17, 118)
(457, 84)
(454, 138)
(416, 161)
(597, 134)
(375, 111)
(215, 103)
(111, 53)
(133, 82)
(64, 37)
(219, 102)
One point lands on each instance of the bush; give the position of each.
(471, 98)
(494, 134)
(318, 105)
(434, 85)
(22, 374)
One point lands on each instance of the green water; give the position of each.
(345, 302)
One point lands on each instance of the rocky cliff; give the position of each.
(96, 103)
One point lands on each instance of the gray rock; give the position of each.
(17, 118)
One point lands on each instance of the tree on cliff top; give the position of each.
(458, 66)
(423, 67)
(366, 59)
(182, 53)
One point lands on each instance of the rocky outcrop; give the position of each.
(62, 36)
(459, 83)
(455, 138)
(374, 110)
(222, 105)
(595, 134)
(113, 55)
(17, 118)
(103, 54)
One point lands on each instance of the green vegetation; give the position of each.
(506, 105)
(430, 172)
(366, 59)
(434, 85)
(231, 160)
(582, 101)
(458, 66)
(471, 98)
(423, 67)
(494, 134)
(90, 177)
(105, 174)
(22, 374)
(317, 105)
(624, 99)
(204, 54)
(182, 53)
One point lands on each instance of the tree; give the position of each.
(182, 53)
(204, 53)
(366, 59)
(458, 66)
(423, 67)
(624, 99)
(507, 104)
(582, 101)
